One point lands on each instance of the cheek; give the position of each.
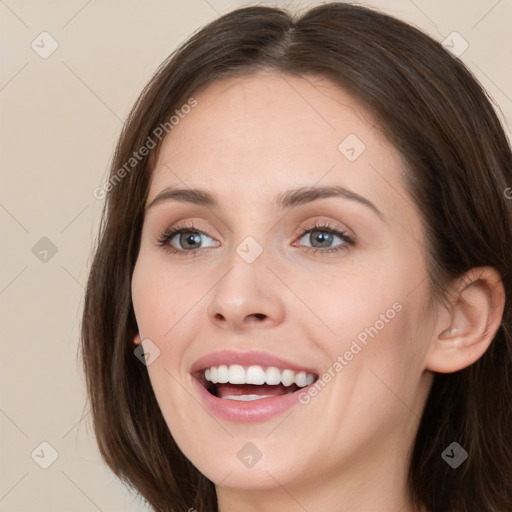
(369, 318)
(379, 353)
(162, 299)
(342, 305)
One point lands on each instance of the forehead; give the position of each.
(266, 132)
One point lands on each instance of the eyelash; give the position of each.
(169, 234)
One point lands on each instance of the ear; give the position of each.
(137, 339)
(466, 328)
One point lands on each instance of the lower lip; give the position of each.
(253, 411)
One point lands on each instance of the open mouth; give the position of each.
(236, 382)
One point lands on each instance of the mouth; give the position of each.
(249, 387)
(250, 383)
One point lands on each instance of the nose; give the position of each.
(248, 295)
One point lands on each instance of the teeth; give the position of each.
(222, 374)
(300, 379)
(255, 375)
(287, 377)
(273, 376)
(237, 374)
(245, 398)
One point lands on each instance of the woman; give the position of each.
(301, 295)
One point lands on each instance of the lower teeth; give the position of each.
(245, 398)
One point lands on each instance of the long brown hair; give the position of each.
(459, 169)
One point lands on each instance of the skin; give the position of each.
(248, 140)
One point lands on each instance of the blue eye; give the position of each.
(188, 237)
(186, 240)
(325, 234)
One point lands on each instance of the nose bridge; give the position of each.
(248, 292)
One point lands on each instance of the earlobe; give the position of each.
(468, 328)
(137, 339)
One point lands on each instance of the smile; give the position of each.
(234, 381)
(247, 393)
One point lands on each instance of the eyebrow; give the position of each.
(288, 199)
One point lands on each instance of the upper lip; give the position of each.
(250, 358)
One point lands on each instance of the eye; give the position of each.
(321, 236)
(184, 239)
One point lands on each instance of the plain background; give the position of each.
(60, 119)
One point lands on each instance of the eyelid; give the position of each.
(165, 238)
(327, 225)
(314, 225)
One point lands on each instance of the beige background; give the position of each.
(60, 118)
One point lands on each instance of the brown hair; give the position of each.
(459, 166)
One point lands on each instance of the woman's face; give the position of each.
(277, 274)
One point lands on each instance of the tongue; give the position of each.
(252, 389)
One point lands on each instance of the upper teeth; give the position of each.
(237, 374)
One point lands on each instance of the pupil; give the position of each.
(191, 239)
(323, 237)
